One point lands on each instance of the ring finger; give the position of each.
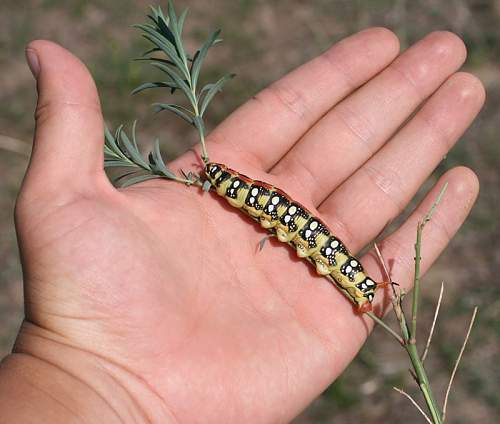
(382, 187)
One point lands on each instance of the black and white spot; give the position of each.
(367, 285)
(291, 215)
(222, 177)
(311, 231)
(213, 170)
(236, 185)
(254, 194)
(351, 267)
(275, 201)
(331, 248)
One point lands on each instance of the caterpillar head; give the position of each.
(213, 171)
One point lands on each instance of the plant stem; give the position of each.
(418, 258)
(204, 153)
(423, 382)
(199, 126)
(416, 283)
(386, 327)
(408, 334)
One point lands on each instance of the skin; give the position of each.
(151, 304)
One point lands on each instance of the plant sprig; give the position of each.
(182, 71)
(408, 337)
(122, 151)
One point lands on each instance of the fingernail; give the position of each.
(33, 63)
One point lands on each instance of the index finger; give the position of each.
(263, 129)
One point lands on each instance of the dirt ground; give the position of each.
(263, 40)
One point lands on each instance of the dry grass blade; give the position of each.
(414, 403)
(385, 267)
(436, 313)
(457, 363)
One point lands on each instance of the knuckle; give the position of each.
(388, 183)
(290, 98)
(48, 108)
(356, 123)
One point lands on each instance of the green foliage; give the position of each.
(121, 151)
(182, 73)
(181, 69)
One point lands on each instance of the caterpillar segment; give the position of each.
(293, 224)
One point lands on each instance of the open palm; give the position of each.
(161, 288)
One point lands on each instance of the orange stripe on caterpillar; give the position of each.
(295, 225)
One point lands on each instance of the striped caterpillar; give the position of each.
(292, 223)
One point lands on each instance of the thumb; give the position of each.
(68, 143)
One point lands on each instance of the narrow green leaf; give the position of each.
(171, 15)
(159, 27)
(174, 26)
(156, 59)
(177, 79)
(108, 153)
(119, 164)
(147, 25)
(213, 90)
(117, 134)
(138, 179)
(134, 139)
(132, 151)
(148, 52)
(193, 60)
(205, 88)
(110, 142)
(168, 48)
(164, 29)
(198, 123)
(121, 177)
(160, 41)
(155, 13)
(107, 133)
(199, 58)
(178, 110)
(157, 163)
(159, 159)
(148, 85)
(113, 143)
(159, 14)
(182, 18)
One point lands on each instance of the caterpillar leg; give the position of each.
(321, 267)
(364, 308)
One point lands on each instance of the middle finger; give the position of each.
(355, 129)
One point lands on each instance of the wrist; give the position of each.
(47, 380)
(32, 390)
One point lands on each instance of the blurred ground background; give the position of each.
(263, 40)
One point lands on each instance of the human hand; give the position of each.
(152, 302)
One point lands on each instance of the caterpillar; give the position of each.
(293, 224)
